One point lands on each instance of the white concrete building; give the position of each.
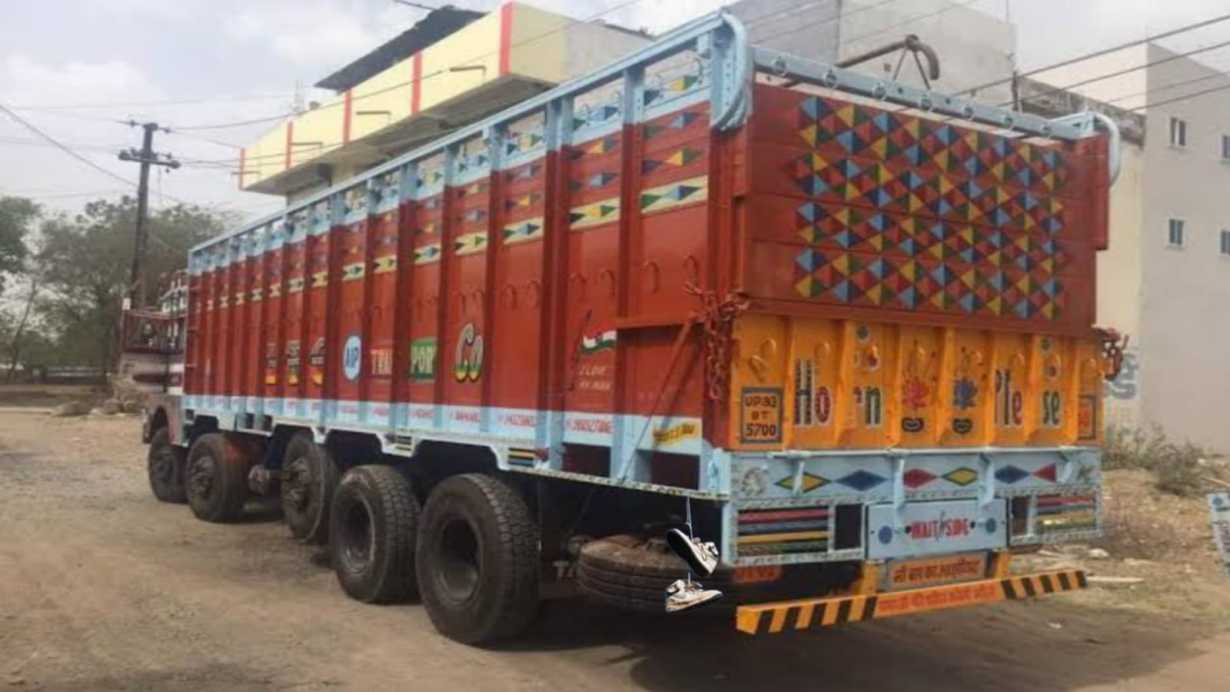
(1166, 278)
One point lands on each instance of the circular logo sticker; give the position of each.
(885, 534)
(352, 357)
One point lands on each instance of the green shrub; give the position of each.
(1178, 468)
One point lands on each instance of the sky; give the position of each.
(79, 69)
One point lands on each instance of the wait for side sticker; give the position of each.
(1219, 508)
(760, 415)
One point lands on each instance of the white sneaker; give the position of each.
(682, 595)
(701, 556)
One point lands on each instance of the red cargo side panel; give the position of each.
(515, 376)
(464, 339)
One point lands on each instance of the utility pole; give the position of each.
(146, 157)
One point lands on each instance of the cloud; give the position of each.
(27, 81)
(312, 33)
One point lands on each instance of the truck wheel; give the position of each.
(309, 477)
(216, 478)
(632, 572)
(165, 464)
(372, 526)
(477, 559)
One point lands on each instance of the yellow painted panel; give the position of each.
(968, 420)
(317, 131)
(382, 100)
(832, 384)
(1010, 360)
(814, 359)
(538, 44)
(1053, 381)
(919, 366)
(870, 359)
(462, 61)
(758, 378)
(1090, 377)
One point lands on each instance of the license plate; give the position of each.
(912, 574)
(935, 528)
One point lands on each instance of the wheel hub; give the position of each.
(298, 483)
(356, 538)
(201, 477)
(460, 566)
(163, 466)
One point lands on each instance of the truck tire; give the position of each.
(309, 477)
(165, 466)
(216, 478)
(632, 573)
(477, 559)
(372, 531)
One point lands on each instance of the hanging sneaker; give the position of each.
(701, 556)
(683, 594)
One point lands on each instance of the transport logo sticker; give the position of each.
(665, 437)
(760, 415)
(423, 359)
(468, 366)
(352, 357)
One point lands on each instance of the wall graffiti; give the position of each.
(1126, 386)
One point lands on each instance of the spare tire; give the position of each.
(632, 573)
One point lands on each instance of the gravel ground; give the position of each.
(102, 588)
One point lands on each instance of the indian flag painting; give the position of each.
(601, 341)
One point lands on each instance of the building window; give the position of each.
(1175, 237)
(1178, 132)
(1225, 242)
(1225, 147)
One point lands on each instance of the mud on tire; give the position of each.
(309, 477)
(477, 559)
(165, 466)
(216, 478)
(372, 529)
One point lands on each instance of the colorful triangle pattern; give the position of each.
(900, 139)
(925, 192)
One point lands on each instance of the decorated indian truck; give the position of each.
(841, 327)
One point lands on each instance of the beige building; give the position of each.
(1166, 278)
(453, 67)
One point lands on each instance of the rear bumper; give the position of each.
(772, 618)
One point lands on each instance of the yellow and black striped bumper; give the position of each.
(770, 618)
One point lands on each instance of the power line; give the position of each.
(54, 142)
(1167, 87)
(162, 102)
(1099, 53)
(1120, 73)
(203, 138)
(1185, 97)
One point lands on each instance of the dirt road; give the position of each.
(102, 587)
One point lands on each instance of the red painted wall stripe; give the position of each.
(290, 138)
(506, 14)
(346, 118)
(243, 159)
(416, 83)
